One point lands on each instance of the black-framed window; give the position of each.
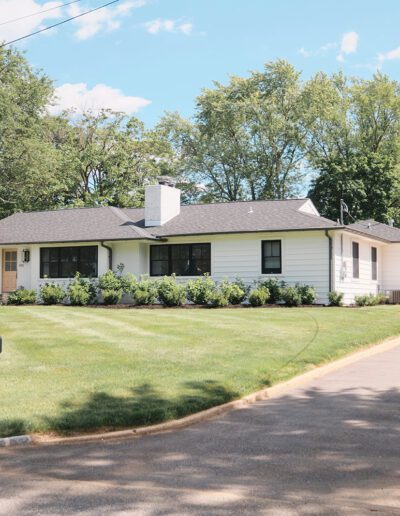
(65, 262)
(356, 260)
(374, 263)
(271, 261)
(180, 259)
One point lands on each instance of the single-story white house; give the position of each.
(287, 239)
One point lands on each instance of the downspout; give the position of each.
(330, 258)
(110, 254)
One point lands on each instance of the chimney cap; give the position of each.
(166, 180)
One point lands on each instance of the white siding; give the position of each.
(391, 269)
(126, 253)
(305, 257)
(343, 266)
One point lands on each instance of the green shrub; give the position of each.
(382, 299)
(234, 292)
(218, 300)
(129, 284)
(308, 294)
(241, 284)
(291, 296)
(22, 296)
(81, 291)
(336, 298)
(370, 300)
(274, 287)
(78, 295)
(111, 297)
(169, 292)
(258, 297)
(51, 294)
(363, 300)
(111, 281)
(199, 291)
(145, 292)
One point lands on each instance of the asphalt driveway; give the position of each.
(330, 447)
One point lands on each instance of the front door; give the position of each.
(9, 270)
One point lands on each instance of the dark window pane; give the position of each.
(180, 259)
(88, 261)
(65, 262)
(271, 257)
(159, 260)
(201, 259)
(159, 268)
(54, 254)
(180, 252)
(53, 270)
(374, 260)
(45, 255)
(356, 264)
(159, 252)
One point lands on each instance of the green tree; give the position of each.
(369, 184)
(110, 158)
(353, 130)
(30, 177)
(247, 140)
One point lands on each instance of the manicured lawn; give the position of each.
(68, 369)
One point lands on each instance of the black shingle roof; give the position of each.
(107, 223)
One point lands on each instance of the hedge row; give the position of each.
(111, 287)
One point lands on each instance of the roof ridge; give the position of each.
(71, 208)
(122, 216)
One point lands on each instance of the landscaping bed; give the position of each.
(73, 369)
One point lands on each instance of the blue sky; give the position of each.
(151, 56)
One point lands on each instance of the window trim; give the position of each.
(374, 262)
(79, 247)
(262, 257)
(358, 259)
(169, 247)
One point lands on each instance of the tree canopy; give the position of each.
(269, 135)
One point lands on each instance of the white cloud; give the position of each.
(348, 45)
(389, 56)
(107, 19)
(319, 51)
(11, 9)
(159, 25)
(79, 97)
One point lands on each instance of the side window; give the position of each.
(356, 260)
(374, 262)
(271, 251)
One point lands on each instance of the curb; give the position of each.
(16, 440)
(205, 415)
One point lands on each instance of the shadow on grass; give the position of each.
(144, 406)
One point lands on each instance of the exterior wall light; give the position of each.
(26, 255)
